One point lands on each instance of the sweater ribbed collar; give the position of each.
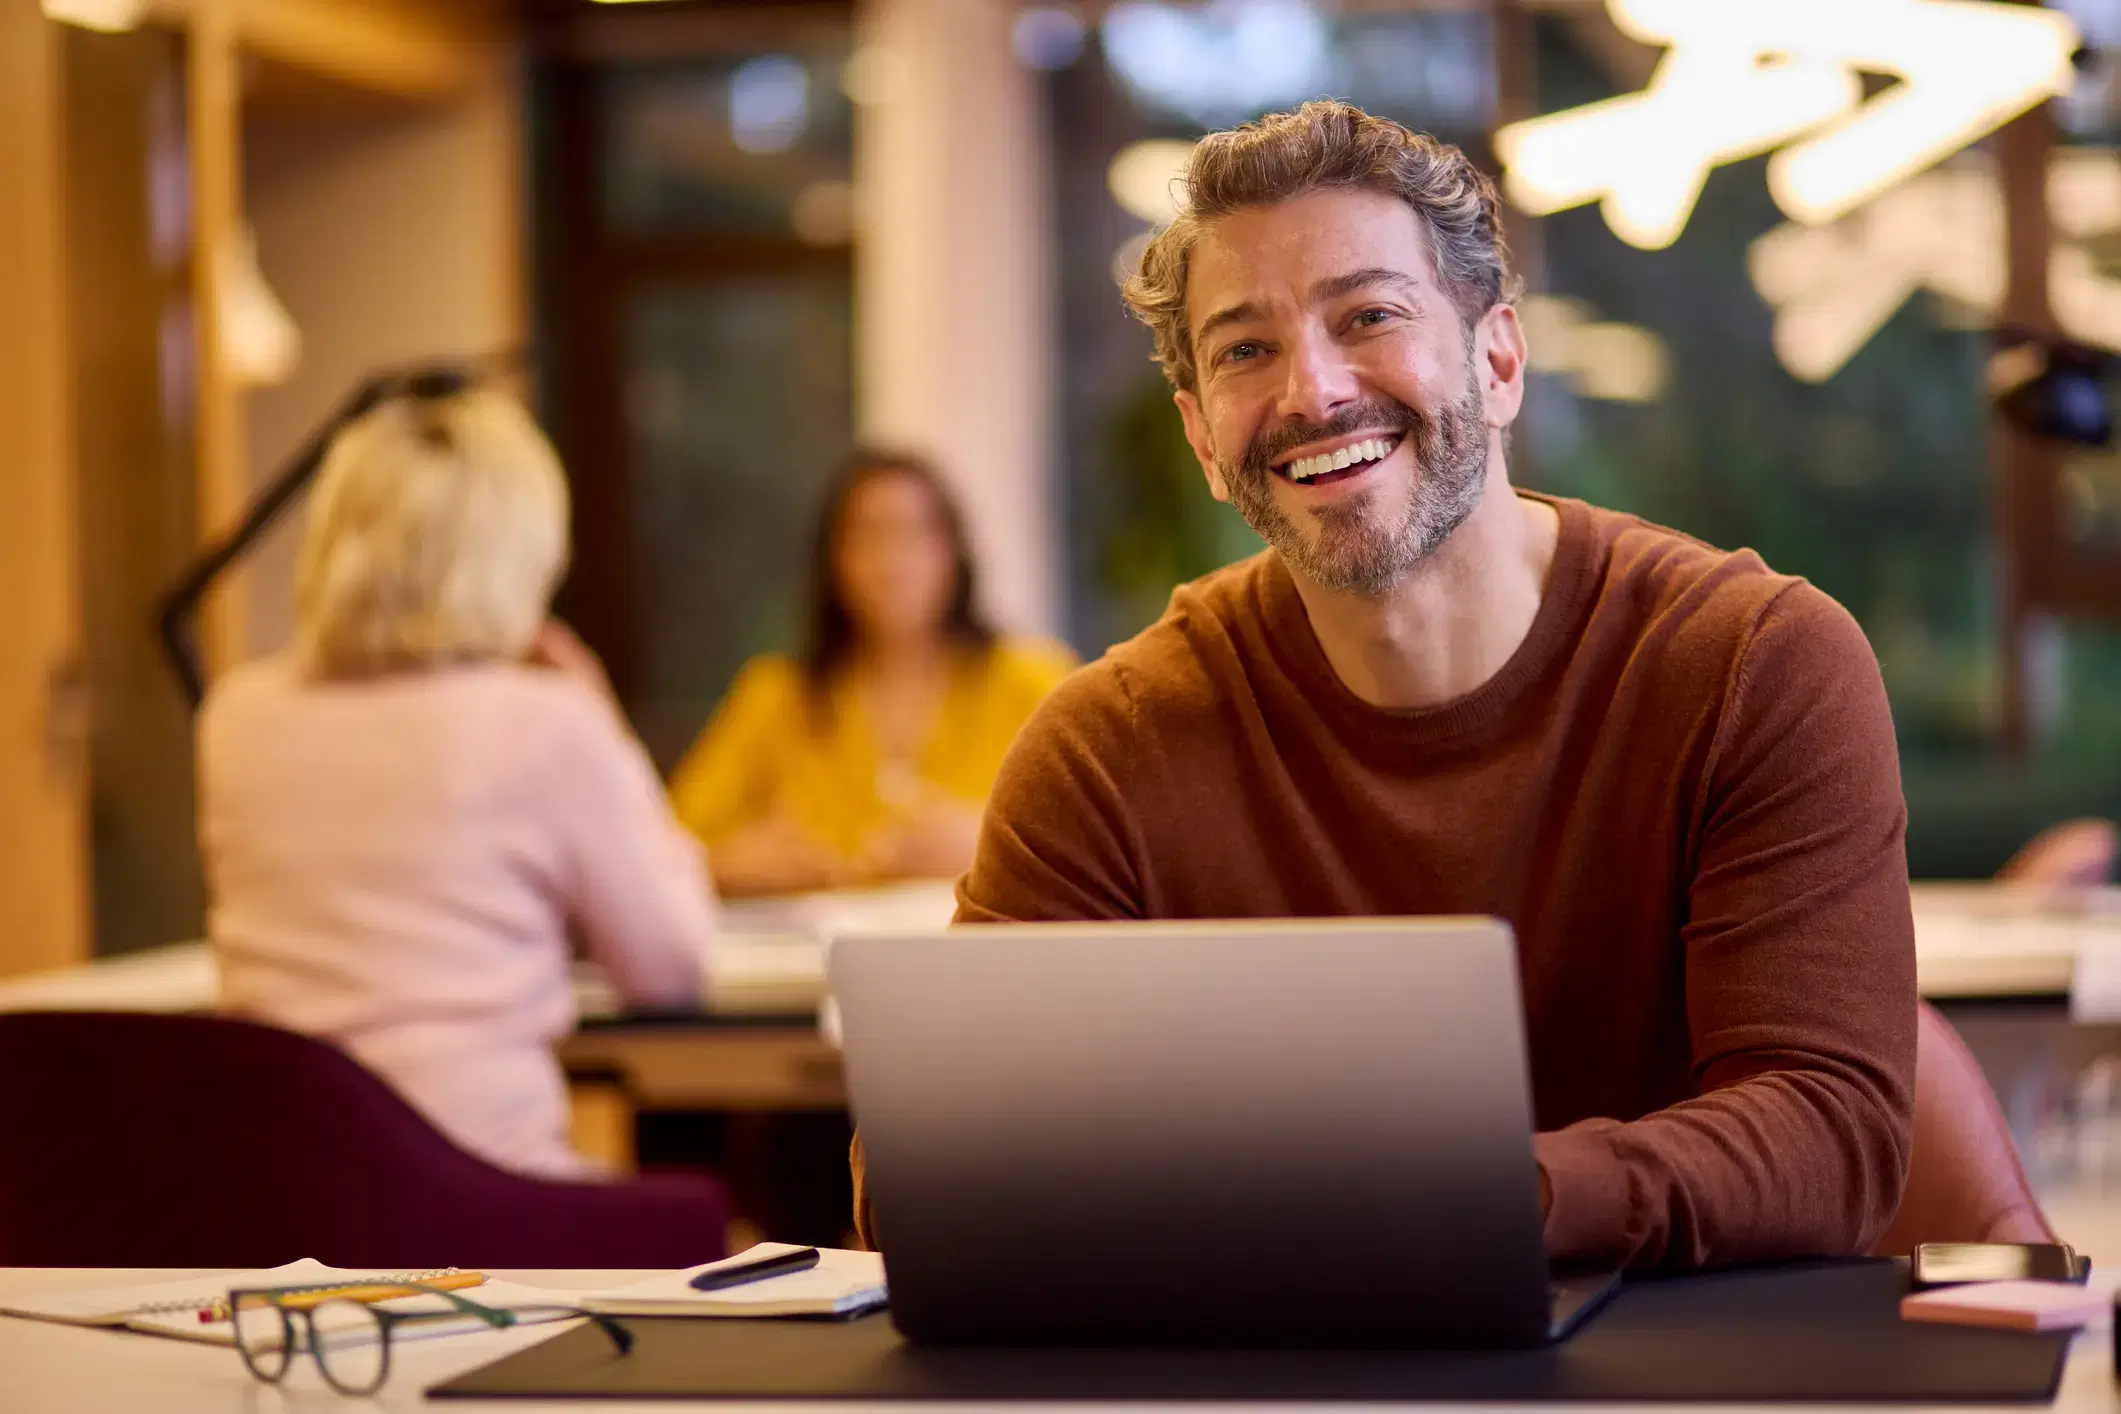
(1572, 579)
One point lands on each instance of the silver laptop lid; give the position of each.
(1287, 1132)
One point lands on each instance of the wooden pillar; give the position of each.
(1516, 47)
(2023, 465)
(1515, 43)
(953, 299)
(214, 114)
(43, 719)
(132, 475)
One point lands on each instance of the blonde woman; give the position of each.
(406, 817)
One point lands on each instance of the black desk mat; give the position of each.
(1818, 1332)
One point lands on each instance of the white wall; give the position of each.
(391, 236)
(954, 308)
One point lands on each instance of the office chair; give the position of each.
(137, 1140)
(1964, 1179)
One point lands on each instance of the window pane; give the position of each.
(739, 404)
(755, 144)
(2091, 503)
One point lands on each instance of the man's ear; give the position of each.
(1501, 357)
(1203, 445)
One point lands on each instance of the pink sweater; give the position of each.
(396, 865)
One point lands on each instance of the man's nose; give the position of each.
(1320, 380)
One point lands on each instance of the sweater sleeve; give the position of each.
(1800, 984)
(637, 884)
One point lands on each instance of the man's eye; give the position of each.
(1371, 318)
(1239, 353)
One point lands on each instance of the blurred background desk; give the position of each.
(2028, 978)
(764, 977)
(756, 1045)
(2006, 963)
(1974, 942)
(1999, 942)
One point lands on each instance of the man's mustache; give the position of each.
(1376, 414)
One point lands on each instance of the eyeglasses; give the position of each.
(351, 1339)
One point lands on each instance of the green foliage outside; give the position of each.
(1164, 526)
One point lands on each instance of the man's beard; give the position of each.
(1349, 553)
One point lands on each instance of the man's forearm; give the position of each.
(1784, 1164)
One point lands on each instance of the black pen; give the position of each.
(779, 1264)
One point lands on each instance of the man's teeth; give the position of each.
(1376, 449)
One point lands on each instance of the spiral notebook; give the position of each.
(173, 1308)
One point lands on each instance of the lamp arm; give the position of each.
(180, 603)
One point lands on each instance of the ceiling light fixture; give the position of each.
(1834, 287)
(1743, 77)
(106, 16)
(1147, 176)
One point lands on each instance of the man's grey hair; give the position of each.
(1325, 146)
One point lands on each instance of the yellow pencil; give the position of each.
(363, 1291)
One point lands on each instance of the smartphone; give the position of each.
(1957, 1263)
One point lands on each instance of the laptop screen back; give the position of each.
(1299, 1133)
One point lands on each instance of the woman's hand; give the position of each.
(935, 842)
(558, 647)
(777, 856)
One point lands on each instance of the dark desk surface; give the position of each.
(1822, 1332)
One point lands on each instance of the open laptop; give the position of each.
(1298, 1133)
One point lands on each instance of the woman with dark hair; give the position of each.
(868, 757)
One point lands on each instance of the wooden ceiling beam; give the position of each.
(414, 49)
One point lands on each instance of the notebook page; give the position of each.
(506, 1295)
(841, 1280)
(110, 1306)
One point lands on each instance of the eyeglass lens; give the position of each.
(352, 1344)
(264, 1335)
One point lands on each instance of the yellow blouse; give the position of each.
(763, 753)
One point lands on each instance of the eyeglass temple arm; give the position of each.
(181, 601)
(499, 1316)
(494, 1316)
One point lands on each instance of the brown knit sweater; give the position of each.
(1683, 793)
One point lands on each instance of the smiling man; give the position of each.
(1670, 769)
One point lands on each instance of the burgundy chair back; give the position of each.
(1964, 1180)
(132, 1140)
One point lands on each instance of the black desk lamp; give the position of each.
(181, 602)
